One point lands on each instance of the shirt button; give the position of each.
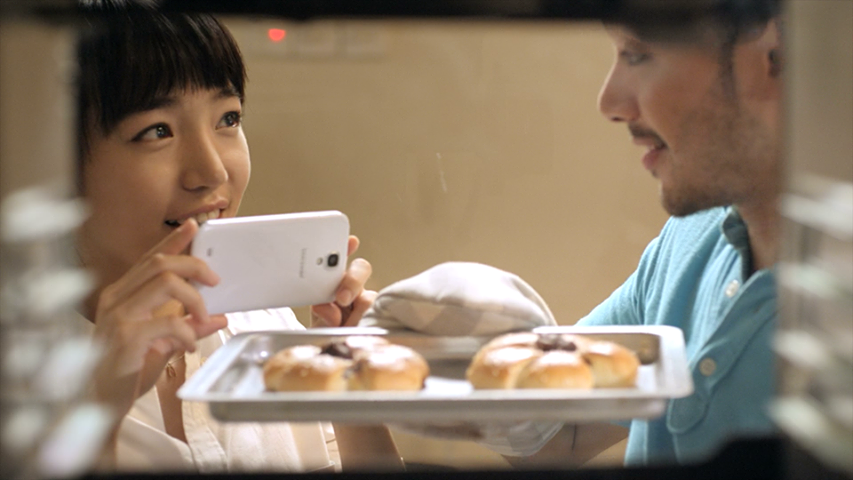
(707, 366)
(732, 288)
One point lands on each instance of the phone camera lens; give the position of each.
(332, 259)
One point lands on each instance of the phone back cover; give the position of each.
(272, 261)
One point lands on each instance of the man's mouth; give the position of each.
(646, 137)
(199, 218)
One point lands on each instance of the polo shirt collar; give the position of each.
(736, 233)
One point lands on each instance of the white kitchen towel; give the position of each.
(458, 299)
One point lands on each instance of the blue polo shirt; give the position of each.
(695, 276)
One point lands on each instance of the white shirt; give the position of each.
(212, 446)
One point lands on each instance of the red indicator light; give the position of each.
(276, 34)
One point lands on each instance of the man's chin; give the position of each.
(679, 205)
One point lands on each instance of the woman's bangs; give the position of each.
(158, 58)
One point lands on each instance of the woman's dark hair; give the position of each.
(131, 56)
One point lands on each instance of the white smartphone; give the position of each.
(272, 261)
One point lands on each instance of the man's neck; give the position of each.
(763, 224)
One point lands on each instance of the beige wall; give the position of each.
(820, 89)
(37, 121)
(477, 142)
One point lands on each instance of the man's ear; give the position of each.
(771, 40)
(775, 59)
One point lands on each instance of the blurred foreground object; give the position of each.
(815, 338)
(47, 429)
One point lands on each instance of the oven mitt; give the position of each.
(459, 299)
(462, 299)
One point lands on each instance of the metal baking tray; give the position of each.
(231, 382)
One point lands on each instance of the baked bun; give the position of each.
(612, 364)
(389, 367)
(531, 360)
(357, 362)
(556, 369)
(500, 367)
(305, 368)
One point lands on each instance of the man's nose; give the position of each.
(616, 101)
(204, 167)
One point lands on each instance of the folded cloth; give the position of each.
(512, 438)
(467, 299)
(459, 298)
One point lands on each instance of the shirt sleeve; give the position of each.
(625, 305)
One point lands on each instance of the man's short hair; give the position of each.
(721, 23)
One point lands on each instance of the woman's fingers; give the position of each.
(133, 340)
(173, 244)
(352, 245)
(353, 282)
(165, 287)
(135, 356)
(359, 306)
(184, 266)
(333, 315)
(325, 315)
(350, 299)
(213, 325)
(178, 241)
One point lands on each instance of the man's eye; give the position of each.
(634, 58)
(154, 132)
(230, 120)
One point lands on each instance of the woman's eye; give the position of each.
(154, 132)
(230, 120)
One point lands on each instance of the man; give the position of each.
(705, 101)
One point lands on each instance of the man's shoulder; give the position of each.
(689, 238)
(689, 228)
(711, 217)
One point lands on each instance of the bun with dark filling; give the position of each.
(531, 360)
(358, 362)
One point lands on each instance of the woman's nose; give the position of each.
(616, 101)
(204, 167)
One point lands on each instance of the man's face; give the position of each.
(187, 158)
(710, 132)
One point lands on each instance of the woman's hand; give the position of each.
(147, 316)
(351, 299)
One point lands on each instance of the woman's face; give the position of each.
(185, 158)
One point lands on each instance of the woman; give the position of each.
(162, 149)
